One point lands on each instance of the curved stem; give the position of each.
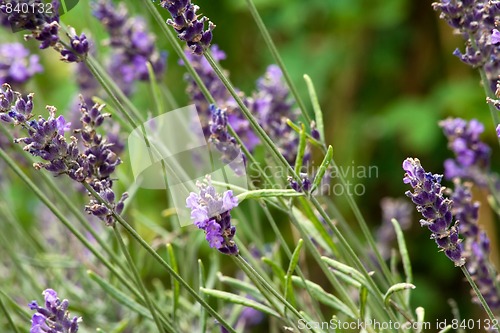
(478, 294)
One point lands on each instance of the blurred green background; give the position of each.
(385, 76)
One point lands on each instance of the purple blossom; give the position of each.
(210, 211)
(54, 317)
(475, 21)
(93, 164)
(434, 207)
(225, 143)
(476, 244)
(472, 156)
(16, 64)
(306, 183)
(131, 43)
(190, 27)
(44, 27)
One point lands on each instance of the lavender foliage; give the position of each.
(210, 211)
(132, 46)
(476, 244)
(435, 208)
(45, 139)
(189, 25)
(44, 27)
(472, 156)
(54, 316)
(17, 65)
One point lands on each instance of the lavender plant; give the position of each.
(311, 271)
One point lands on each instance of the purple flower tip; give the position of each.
(495, 36)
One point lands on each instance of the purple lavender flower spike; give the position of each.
(472, 156)
(16, 64)
(476, 22)
(54, 317)
(476, 244)
(133, 46)
(44, 27)
(436, 209)
(190, 27)
(498, 131)
(210, 211)
(225, 143)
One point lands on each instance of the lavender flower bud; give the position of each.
(54, 317)
(189, 26)
(430, 201)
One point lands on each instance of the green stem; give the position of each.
(478, 294)
(277, 58)
(490, 94)
(138, 280)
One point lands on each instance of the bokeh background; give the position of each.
(385, 76)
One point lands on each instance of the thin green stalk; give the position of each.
(7, 315)
(160, 260)
(277, 58)
(138, 280)
(478, 294)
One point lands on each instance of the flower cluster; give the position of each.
(46, 140)
(224, 142)
(54, 317)
(190, 27)
(133, 47)
(306, 183)
(210, 211)
(434, 207)
(476, 244)
(44, 27)
(16, 64)
(472, 156)
(475, 20)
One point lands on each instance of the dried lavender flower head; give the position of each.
(17, 65)
(472, 156)
(210, 211)
(435, 208)
(54, 317)
(190, 27)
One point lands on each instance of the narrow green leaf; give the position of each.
(322, 168)
(301, 149)
(316, 107)
(157, 97)
(120, 297)
(7, 315)
(294, 260)
(355, 274)
(236, 299)
(175, 284)
(347, 279)
(201, 281)
(446, 329)
(395, 288)
(420, 311)
(122, 326)
(322, 296)
(403, 251)
(363, 297)
(277, 270)
(257, 194)
(308, 136)
(240, 285)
